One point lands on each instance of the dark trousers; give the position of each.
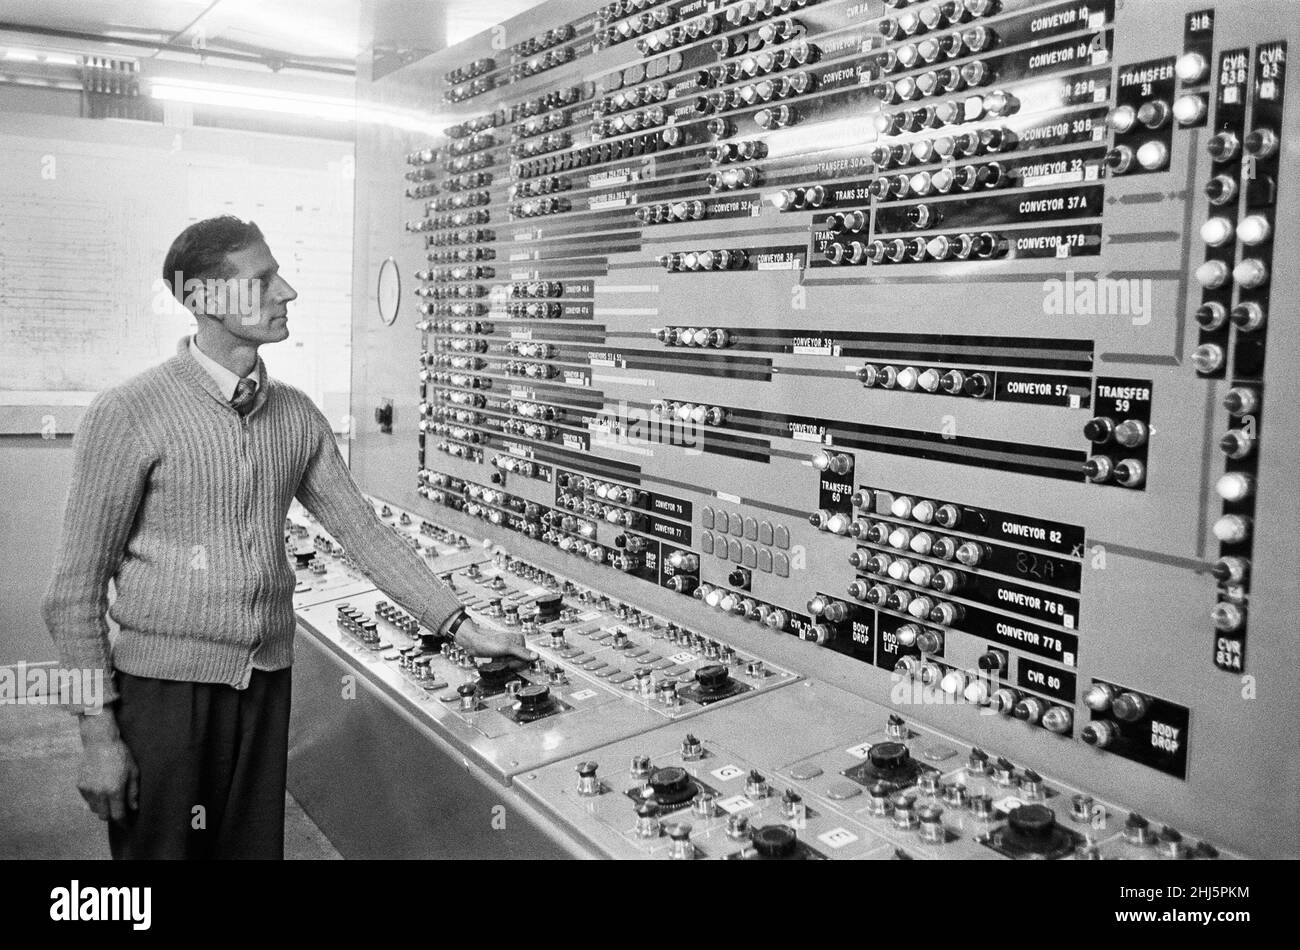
(212, 763)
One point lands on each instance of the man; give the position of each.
(181, 482)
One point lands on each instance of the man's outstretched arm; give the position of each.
(329, 492)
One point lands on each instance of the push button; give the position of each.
(751, 529)
(765, 532)
(782, 537)
(781, 564)
(733, 550)
(765, 561)
(706, 543)
(737, 523)
(706, 516)
(749, 556)
(721, 521)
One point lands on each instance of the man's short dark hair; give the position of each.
(199, 252)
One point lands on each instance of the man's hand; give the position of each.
(109, 779)
(489, 643)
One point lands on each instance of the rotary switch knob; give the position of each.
(774, 842)
(713, 678)
(1033, 824)
(889, 757)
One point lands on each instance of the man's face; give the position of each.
(255, 298)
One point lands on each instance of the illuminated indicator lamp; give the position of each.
(907, 634)
(899, 569)
(1247, 316)
(1235, 486)
(1217, 231)
(1254, 229)
(1153, 155)
(1212, 274)
(923, 574)
(942, 180)
(1000, 102)
(1191, 67)
(1251, 272)
(1240, 400)
(1122, 118)
(922, 543)
(1232, 529)
(1189, 109)
(900, 538)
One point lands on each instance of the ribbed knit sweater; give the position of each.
(181, 502)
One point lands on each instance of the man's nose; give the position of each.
(287, 293)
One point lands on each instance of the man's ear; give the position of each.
(196, 299)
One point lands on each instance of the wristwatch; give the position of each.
(450, 627)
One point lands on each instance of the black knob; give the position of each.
(495, 673)
(774, 841)
(534, 697)
(712, 677)
(1032, 821)
(889, 755)
(669, 783)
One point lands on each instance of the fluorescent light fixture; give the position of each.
(21, 56)
(328, 108)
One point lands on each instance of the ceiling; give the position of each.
(310, 32)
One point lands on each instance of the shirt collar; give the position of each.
(225, 379)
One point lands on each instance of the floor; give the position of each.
(43, 816)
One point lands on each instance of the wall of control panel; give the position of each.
(912, 351)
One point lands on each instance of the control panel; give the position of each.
(603, 670)
(914, 350)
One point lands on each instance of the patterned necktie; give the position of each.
(244, 397)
